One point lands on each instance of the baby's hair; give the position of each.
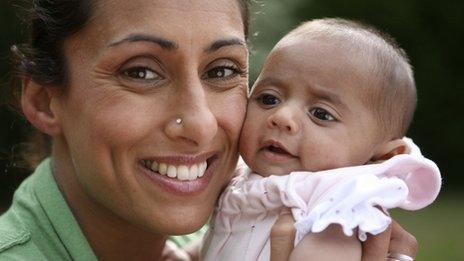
(391, 93)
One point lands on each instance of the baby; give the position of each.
(326, 118)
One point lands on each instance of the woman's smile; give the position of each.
(181, 175)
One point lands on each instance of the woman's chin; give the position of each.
(182, 224)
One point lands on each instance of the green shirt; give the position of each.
(40, 226)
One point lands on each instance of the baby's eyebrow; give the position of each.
(325, 94)
(270, 81)
(316, 90)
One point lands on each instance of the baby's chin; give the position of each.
(267, 171)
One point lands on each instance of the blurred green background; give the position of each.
(431, 32)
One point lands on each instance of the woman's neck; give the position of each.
(110, 237)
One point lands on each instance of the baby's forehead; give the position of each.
(320, 67)
(315, 74)
(352, 45)
(324, 57)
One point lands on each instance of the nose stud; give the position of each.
(179, 121)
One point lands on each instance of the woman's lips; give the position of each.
(183, 159)
(181, 175)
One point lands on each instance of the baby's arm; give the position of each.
(330, 244)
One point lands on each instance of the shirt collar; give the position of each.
(59, 214)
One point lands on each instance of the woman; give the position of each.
(122, 87)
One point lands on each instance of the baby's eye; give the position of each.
(268, 99)
(141, 73)
(322, 114)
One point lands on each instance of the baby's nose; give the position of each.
(285, 119)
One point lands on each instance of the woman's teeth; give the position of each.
(182, 172)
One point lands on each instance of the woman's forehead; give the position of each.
(185, 5)
(184, 10)
(180, 21)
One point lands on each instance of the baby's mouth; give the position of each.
(183, 172)
(277, 149)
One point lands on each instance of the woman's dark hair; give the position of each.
(42, 58)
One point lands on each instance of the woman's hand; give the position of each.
(282, 237)
(172, 252)
(376, 248)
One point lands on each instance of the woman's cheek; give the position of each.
(122, 121)
(230, 113)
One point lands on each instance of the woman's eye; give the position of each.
(224, 74)
(268, 99)
(141, 73)
(221, 72)
(322, 114)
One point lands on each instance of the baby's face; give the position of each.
(306, 111)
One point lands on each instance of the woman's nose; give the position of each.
(284, 119)
(193, 119)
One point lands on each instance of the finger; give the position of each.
(172, 252)
(375, 248)
(193, 248)
(282, 238)
(402, 241)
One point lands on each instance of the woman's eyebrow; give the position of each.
(164, 43)
(218, 44)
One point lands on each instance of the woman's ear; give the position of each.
(35, 103)
(390, 149)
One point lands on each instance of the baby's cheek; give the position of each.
(323, 159)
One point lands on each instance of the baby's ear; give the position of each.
(390, 149)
